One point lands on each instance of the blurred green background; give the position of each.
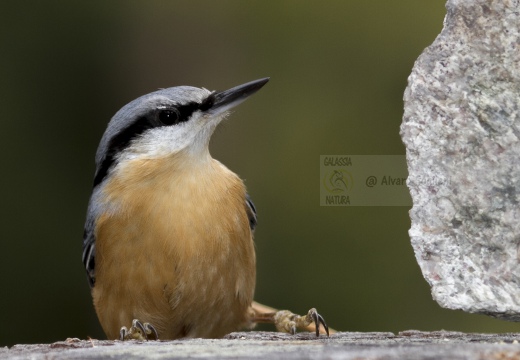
(338, 71)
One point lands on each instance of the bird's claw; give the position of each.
(138, 331)
(286, 321)
(318, 320)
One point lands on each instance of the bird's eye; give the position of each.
(169, 117)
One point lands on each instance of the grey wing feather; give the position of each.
(251, 212)
(89, 245)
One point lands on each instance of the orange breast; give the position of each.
(174, 248)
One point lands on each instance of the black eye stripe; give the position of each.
(185, 111)
(208, 102)
(122, 140)
(118, 143)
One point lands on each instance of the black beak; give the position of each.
(221, 101)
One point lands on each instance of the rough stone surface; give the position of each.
(461, 129)
(267, 345)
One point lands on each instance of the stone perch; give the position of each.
(461, 128)
(409, 344)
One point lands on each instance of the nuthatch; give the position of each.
(168, 242)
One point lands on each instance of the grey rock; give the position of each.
(409, 344)
(461, 129)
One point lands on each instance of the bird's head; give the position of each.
(177, 120)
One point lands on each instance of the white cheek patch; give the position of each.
(191, 136)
